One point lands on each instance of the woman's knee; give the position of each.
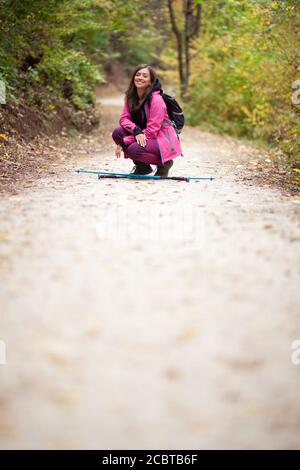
(118, 135)
(134, 150)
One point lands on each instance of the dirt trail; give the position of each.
(141, 314)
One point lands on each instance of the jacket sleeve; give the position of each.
(126, 120)
(156, 117)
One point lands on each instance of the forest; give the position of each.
(235, 63)
(149, 273)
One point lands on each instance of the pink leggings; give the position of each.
(148, 154)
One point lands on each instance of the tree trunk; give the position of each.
(192, 21)
(179, 40)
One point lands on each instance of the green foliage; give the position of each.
(244, 65)
(144, 35)
(58, 47)
(41, 52)
(72, 71)
(140, 49)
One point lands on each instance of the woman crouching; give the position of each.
(146, 134)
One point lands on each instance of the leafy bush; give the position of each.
(71, 73)
(245, 63)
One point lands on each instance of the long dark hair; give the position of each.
(131, 93)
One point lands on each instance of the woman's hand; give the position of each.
(118, 151)
(141, 139)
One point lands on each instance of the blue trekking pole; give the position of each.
(106, 174)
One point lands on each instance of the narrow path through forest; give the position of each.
(150, 314)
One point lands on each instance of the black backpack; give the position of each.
(174, 111)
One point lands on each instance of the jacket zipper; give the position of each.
(166, 137)
(169, 140)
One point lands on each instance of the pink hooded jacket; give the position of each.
(159, 127)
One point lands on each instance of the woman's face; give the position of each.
(142, 79)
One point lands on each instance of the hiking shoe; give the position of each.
(163, 170)
(141, 168)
